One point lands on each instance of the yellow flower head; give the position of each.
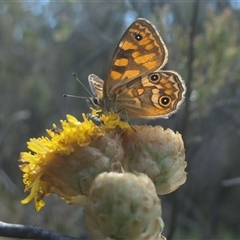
(67, 162)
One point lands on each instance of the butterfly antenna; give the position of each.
(75, 76)
(73, 96)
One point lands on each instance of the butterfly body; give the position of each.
(135, 84)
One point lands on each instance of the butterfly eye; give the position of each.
(137, 36)
(165, 101)
(154, 78)
(95, 101)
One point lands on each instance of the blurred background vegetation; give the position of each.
(42, 43)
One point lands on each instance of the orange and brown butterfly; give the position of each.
(136, 86)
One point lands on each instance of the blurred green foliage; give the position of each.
(42, 43)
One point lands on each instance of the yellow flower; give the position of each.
(68, 161)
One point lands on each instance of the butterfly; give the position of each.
(136, 86)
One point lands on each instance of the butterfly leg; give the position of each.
(127, 118)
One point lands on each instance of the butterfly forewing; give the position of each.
(140, 50)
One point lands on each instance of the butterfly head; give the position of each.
(94, 102)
